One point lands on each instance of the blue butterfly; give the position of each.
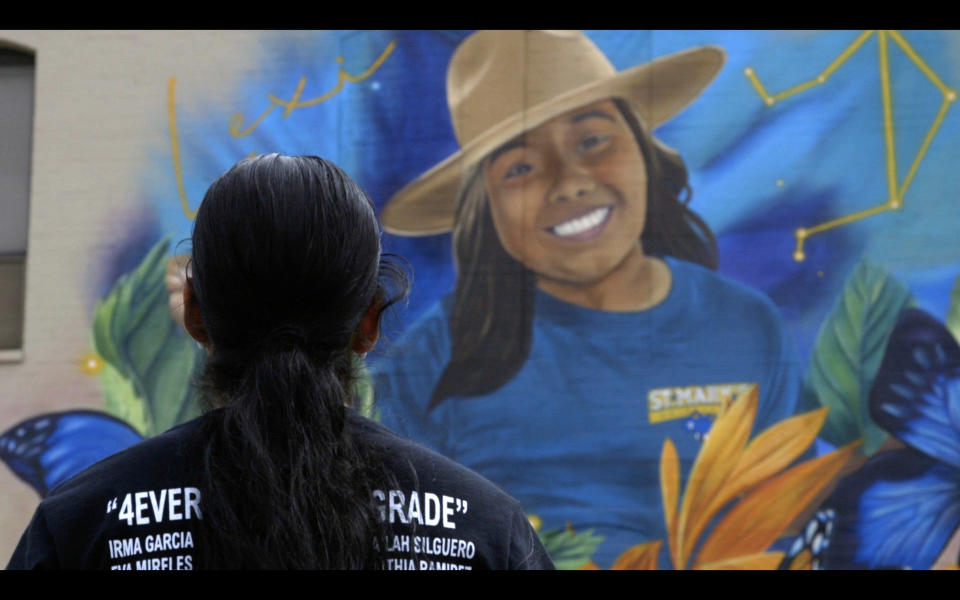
(48, 449)
(900, 509)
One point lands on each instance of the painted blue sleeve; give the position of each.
(780, 389)
(405, 378)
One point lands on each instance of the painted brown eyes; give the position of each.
(592, 142)
(517, 170)
(586, 145)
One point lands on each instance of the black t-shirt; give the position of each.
(139, 510)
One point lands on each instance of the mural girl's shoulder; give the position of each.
(717, 293)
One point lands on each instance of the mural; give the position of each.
(692, 297)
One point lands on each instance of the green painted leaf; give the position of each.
(149, 359)
(121, 400)
(848, 352)
(569, 550)
(362, 392)
(953, 313)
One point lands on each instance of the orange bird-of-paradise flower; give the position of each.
(752, 479)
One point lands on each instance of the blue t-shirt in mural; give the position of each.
(576, 435)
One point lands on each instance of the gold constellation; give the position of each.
(896, 189)
(237, 121)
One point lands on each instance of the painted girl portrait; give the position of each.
(587, 323)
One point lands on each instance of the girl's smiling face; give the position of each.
(569, 198)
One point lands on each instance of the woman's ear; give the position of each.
(192, 321)
(368, 331)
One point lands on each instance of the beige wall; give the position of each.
(100, 108)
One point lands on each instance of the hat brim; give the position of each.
(658, 90)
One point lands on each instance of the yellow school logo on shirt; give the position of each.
(669, 403)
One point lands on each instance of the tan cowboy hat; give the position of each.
(502, 83)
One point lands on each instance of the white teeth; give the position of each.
(581, 224)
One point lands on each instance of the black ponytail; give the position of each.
(286, 261)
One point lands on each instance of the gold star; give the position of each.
(90, 363)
